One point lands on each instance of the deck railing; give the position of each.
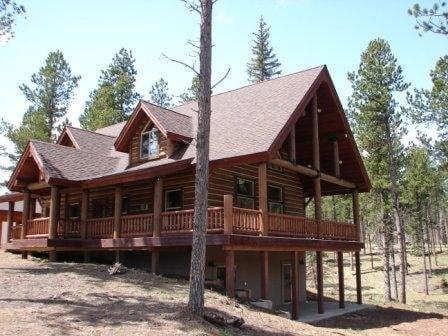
(100, 227)
(37, 227)
(246, 221)
(339, 230)
(16, 231)
(291, 226)
(182, 220)
(137, 225)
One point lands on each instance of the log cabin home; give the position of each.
(274, 146)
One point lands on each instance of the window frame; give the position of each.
(155, 130)
(165, 199)
(79, 211)
(125, 210)
(280, 201)
(244, 196)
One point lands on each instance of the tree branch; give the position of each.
(222, 79)
(181, 63)
(193, 7)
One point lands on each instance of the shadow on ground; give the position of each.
(377, 317)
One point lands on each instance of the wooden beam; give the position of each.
(337, 170)
(320, 283)
(32, 211)
(84, 212)
(356, 219)
(313, 173)
(292, 144)
(264, 262)
(230, 273)
(66, 214)
(38, 185)
(10, 220)
(54, 212)
(263, 197)
(295, 285)
(228, 214)
(117, 212)
(358, 278)
(341, 279)
(25, 212)
(155, 257)
(316, 166)
(158, 206)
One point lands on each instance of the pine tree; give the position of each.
(433, 19)
(191, 94)
(49, 95)
(264, 63)
(160, 94)
(115, 97)
(9, 10)
(377, 123)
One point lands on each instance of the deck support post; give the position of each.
(32, 211)
(358, 278)
(228, 214)
(158, 206)
(66, 216)
(54, 212)
(117, 212)
(356, 221)
(230, 273)
(155, 257)
(336, 168)
(263, 197)
(341, 279)
(264, 259)
(320, 283)
(10, 220)
(25, 214)
(84, 213)
(295, 285)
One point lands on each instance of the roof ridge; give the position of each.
(168, 109)
(84, 130)
(259, 83)
(121, 122)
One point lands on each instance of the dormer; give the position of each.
(153, 133)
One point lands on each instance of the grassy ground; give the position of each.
(41, 298)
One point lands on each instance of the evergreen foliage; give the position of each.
(264, 63)
(9, 10)
(433, 19)
(115, 97)
(191, 94)
(160, 94)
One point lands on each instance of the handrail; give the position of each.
(246, 221)
(137, 225)
(37, 227)
(100, 227)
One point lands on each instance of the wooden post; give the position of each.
(263, 197)
(316, 166)
(292, 144)
(32, 211)
(158, 206)
(264, 260)
(295, 285)
(54, 212)
(230, 273)
(228, 214)
(10, 220)
(84, 213)
(117, 212)
(337, 170)
(66, 216)
(154, 261)
(320, 283)
(356, 221)
(25, 212)
(358, 278)
(341, 279)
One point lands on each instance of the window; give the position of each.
(100, 208)
(275, 199)
(173, 199)
(149, 144)
(74, 211)
(125, 205)
(244, 193)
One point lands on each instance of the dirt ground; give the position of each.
(41, 298)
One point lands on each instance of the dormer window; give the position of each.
(149, 144)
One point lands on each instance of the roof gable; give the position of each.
(172, 125)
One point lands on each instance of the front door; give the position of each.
(286, 283)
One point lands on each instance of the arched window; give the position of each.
(149, 144)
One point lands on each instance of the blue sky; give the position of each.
(304, 34)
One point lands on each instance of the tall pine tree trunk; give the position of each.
(386, 266)
(370, 251)
(424, 270)
(394, 268)
(428, 242)
(197, 269)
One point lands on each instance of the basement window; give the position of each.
(245, 193)
(149, 144)
(275, 199)
(173, 199)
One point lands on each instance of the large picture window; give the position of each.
(149, 144)
(173, 199)
(245, 193)
(275, 199)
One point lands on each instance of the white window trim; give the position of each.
(149, 136)
(166, 200)
(253, 187)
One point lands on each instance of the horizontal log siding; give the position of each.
(183, 181)
(134, 150)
